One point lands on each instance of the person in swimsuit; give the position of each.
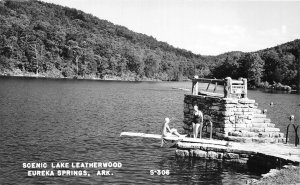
(197, 122)
(166, 131)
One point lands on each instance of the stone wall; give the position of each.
(233, 119)
(224, 153)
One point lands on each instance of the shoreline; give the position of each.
(128, 78)
(124, 78)
(271, 89)
(110, 78)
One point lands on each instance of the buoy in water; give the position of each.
(265, 111)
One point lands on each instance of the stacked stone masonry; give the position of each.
(225, 153)
(237, 120)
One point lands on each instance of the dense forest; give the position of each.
(277, 65)
(55, 41)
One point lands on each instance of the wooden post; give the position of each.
(208, 86)
(227, 87)
(195, 86)
(245, 89)
(216, 85)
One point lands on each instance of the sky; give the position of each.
(202, 26)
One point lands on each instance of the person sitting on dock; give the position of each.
(197, 122)
(166, 131)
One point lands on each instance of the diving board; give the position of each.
(155, 136)
(175, 138)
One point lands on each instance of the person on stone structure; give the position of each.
(197, 122)
(166, 131)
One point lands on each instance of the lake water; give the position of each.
(44, 120)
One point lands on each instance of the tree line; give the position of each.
(277, 65)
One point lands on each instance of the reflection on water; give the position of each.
(44, 120)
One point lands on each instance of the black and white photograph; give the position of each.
(149, 92)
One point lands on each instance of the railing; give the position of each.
(292, 119)
(232, 88)
(207, 123)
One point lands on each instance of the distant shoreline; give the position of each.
(77, 78)
(106, 78)
(120, 79)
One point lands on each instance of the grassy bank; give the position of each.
(289, 175)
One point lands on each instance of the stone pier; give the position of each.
(252, 137)
(257, 154)
(233, 119)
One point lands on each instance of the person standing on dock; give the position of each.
(197, 122)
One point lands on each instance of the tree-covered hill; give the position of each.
(278, 64)
(59, 41)
(56, 41)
